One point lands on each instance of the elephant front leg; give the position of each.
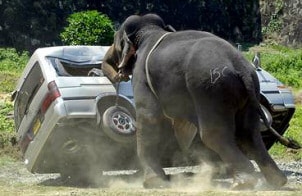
(149, 131)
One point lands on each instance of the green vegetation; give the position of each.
(7, 133)
(11, 66)
(275, 22)
(294, 131)
(28, 24)
(6, 124)
(88, 28)
(282, 62)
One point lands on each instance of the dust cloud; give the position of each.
(182, 179)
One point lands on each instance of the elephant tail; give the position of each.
(251, 83)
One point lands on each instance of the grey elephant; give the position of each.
(194, 78)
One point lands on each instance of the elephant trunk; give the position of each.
(128, 51)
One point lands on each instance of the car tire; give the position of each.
(119, 125)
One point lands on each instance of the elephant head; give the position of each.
(120, 53)
(127, 38)
(110, 66)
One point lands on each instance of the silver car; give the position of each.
(72, 120)
(58, 110)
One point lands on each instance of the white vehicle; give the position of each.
(59, 104)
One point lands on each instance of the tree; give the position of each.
(29, 24)
(88, 28)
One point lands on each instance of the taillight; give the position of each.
(53, 94)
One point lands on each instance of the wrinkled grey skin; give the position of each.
(201, 78)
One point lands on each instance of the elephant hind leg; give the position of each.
(268, 167)
(218, 133)
(252, 144)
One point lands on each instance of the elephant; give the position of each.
(198, 78)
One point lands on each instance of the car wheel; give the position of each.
(118, 124)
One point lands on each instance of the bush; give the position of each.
(88, 28)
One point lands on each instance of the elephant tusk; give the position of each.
(122, 64)
(127, 55)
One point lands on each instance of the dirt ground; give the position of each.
(16, 180)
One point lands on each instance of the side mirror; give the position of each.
(239, 47)
(256, 60)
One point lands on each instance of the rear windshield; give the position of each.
(27, 92)
(69, 68)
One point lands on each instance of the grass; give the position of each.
(282, 62)
(11, 66)
(294, 131)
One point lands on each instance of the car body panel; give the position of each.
(34, 149)
(78, 97)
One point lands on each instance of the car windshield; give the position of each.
(71, 68)
(77, 60)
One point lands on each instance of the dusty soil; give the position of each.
(16, 180)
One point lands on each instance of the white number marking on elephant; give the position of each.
(217, 73)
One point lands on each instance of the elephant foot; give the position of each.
(156, 182)
(276, 180)
(244, 181)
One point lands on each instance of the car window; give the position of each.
(69, 68)
(30, 87)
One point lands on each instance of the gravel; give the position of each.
(16, 173)
(293, 171)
